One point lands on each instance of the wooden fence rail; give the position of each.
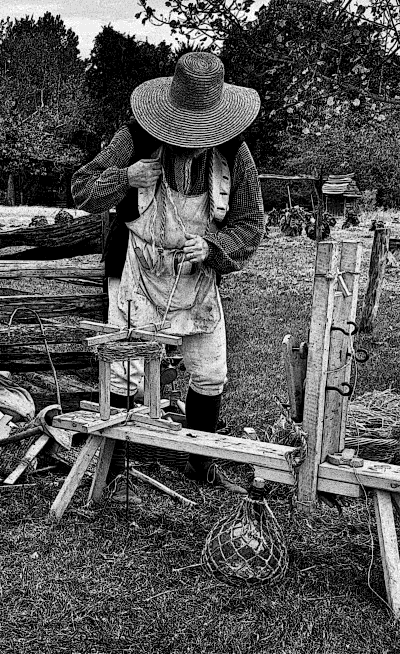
(35, 277)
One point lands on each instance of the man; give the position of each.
(189, 209)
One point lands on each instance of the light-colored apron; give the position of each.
(154, 253)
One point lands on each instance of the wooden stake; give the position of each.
(327, 262)
(75, 476)
(29, 457)
(339, 365)
(152, 392)
(104, 389)
(380, 249)
(102, 468)
(295, 367)
(389, 548)
(161, 487)
(289, 197)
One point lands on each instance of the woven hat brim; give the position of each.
(154, 111)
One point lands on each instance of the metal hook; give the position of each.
(344, 393)
(360, 359)
(339, 329)
(353, 333)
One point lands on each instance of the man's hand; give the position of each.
(144, 173)
(196, 249)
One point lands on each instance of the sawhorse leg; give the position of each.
(102, 468)
(75, 476)
(389, 547)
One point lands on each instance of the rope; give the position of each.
(46, 345)
(247, 546)
(172, 293)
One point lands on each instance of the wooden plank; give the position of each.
(339, 365)
(92, 325)
(30, 455)
(94, 406)
(380, 249)
(295, 368)
(326, 266)
(381, 476)
(141, 334)
(155, 389)
(323, 485)
(30, 361)
(75, 476)
(389, 548)
(156, 422)
(276, 476)
(104, 389)
(20, 335)
(51, 269)
(102, 468)
(268, 455)
(88, 422)
(288, 178)
(339, 488)
(188, 440)
(52, 306)
(84, 229)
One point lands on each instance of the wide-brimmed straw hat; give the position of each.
(194, 108)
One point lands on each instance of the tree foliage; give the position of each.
(118, 63)
(41, 78)
(310, 60)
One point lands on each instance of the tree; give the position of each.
(370, 148)
(305, 57)
(118, 63)
(41, 82)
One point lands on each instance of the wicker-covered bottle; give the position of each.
(247, 546)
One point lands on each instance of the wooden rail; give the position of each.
(51, 269)
(48, 253)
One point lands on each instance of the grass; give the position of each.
(97, 583)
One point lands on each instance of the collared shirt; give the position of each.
(102, 183)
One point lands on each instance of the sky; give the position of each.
(87, 17)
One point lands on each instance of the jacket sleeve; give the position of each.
(236, 242)
(103, 182)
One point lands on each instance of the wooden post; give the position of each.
(104, 389)
(105, 228)
(318, 183)
(102, 468)
(289, 196)
(339, 365)
(295, 368)
(326, 267)
(75, 476)
(389, 548)
(380, 249)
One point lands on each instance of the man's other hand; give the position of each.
(144, 173)
(195, 249)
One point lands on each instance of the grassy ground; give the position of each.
(99, 583)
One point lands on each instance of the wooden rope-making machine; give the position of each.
(323, 364)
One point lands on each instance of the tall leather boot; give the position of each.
(202, 412)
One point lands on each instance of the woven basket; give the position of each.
(247, 546)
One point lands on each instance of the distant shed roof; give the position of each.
(341, 185)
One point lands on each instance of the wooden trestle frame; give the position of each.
(327, 383)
